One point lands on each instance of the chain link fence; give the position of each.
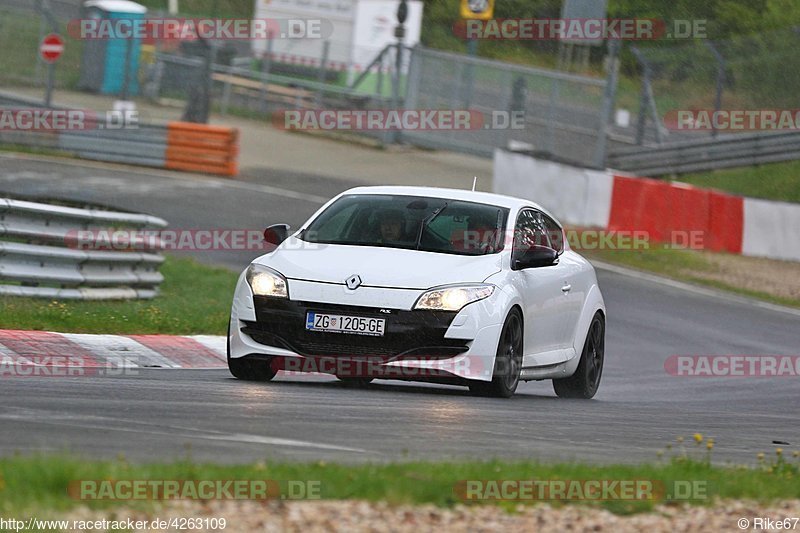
(565, 116)
(23, 25)
(562, 113)
(754, 72)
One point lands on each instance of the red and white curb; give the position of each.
(129, 351)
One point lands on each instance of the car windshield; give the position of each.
(410, 222)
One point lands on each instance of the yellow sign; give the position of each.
(477, 9)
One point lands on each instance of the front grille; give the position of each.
(281, 323)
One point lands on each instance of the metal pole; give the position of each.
(265, 67)
(472, 51)
(400, 33)
(51, 68)
(551, 110)
(720, 82)
(48, 94)
(642, 118)
(609, 96)
(226, 91)
(42, 33)
(323, 67)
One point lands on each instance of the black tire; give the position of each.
(355, 382)
(585, 381)
(507, 363)
(249, 369)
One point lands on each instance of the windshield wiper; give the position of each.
(427, 221)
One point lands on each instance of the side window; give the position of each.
(555, 233)
(529, 231)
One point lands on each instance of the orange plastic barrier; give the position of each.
(202, 148)
(677, 214)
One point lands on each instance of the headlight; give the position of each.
(453, 298)
(266, 282)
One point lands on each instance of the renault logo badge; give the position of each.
(353, 282)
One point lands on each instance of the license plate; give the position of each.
(345, 324)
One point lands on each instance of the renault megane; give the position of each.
(427, 284)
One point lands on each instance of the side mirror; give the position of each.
(276, 234)
(535, 257)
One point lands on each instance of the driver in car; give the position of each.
(392, 223)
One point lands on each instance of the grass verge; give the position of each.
(775, 181)
(763, 279)
(194, 299)
(40, 483)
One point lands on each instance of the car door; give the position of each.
(573, 282)
(545, 303)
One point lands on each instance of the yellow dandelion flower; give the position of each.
(698, 438)
(760, 456)
(779, 451)
(709, 445)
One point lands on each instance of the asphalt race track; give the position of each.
(164, 414)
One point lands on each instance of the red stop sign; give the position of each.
(51, 48)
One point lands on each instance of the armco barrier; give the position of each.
(176, 145)
(144, 145)
(202, 148)
(727, 223)
(39, 255)
(697, 155)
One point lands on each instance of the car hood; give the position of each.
(377, 267)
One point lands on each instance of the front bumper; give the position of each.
(417, 344)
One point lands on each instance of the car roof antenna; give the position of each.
(474, 182)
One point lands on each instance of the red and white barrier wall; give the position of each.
(606, 199)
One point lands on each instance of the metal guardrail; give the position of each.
(144, 145)
(41, 254)
(708, 154)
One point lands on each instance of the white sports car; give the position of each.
(422, 284)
